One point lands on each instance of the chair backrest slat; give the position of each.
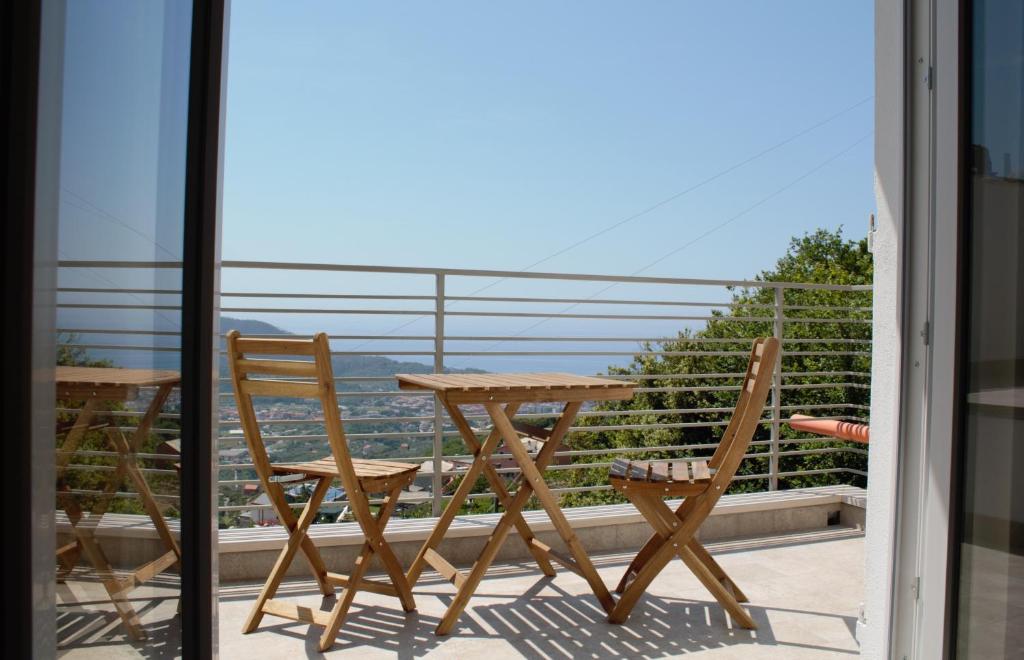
(309, 379)
(299, 368)
(746, 417)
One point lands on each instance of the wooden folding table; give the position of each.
(502, 395)
(95, 386)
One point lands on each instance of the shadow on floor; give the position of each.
(89, 626)
(553, 624)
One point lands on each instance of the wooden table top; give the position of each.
(114, 376)
(479, 388)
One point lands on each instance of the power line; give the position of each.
(649, 209)
(110, 217)
(707, 233)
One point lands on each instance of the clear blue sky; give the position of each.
(489, 135)
(477, 135)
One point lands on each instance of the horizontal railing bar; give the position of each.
(539, 415)
(348, 395)
(654, 340)
(603, 301)
(556, 490)
(519, 274)
(488, 338)
(382, 353)
(309, 310)
(599, 353)
(705, 340)
(797, 319)
(126, 347)
(496, 458)
(131, 495)
(819, 406)
(113, 454)
(337, 296)
(641, 352)
(289, 335)
(112, 306)
(80, 289)
(99, 331)
(346, 420)
(465, 272)
(87, 467)
(826, 340)
(825, 386)
(326, 296)
(803, 473)
(825, 450)
(452, 433)
(836, 308)
(608, 317)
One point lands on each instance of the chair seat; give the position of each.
(677, 477)
(372, 475)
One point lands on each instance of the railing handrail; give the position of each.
(473, 272)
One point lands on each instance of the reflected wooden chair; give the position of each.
(314, 379)
(700, 483)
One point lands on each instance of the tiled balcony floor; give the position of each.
(805, 590)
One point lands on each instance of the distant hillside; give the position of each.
(344, 365)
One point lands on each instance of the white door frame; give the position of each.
(915, 328)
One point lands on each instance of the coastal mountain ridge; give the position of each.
(344, 365)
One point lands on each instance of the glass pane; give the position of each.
(123, 143)
(991, 609)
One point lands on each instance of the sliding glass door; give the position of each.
(118, 214)
(989, 576)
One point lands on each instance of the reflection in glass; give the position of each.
(990, 618)
(123, 140)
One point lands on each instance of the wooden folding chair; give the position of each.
(315, 380)
(700, 483)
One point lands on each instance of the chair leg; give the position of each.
(705, 557)
(673, 540)
(295, 539)
(387, 556)
(642, 557)
(288, 519)
(654, 565)
(344, 602)
(717, 589)
(655, 541)
(374, 545)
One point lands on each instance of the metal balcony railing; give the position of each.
(435, 319)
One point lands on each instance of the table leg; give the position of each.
(69, 554)
(135, 474)
(515, 505)
(532, 474)
(498, 486)
(481, 455)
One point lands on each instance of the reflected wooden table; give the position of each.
(95, 386)
(502, 395)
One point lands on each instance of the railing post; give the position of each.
(773, 459)
(438, 454)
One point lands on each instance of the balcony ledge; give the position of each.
(249, 553)
(416, 529)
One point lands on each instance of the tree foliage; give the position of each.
(825, 373)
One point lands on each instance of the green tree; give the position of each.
(825, 372)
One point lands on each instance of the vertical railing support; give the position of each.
(773, 459)
(437, 477)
